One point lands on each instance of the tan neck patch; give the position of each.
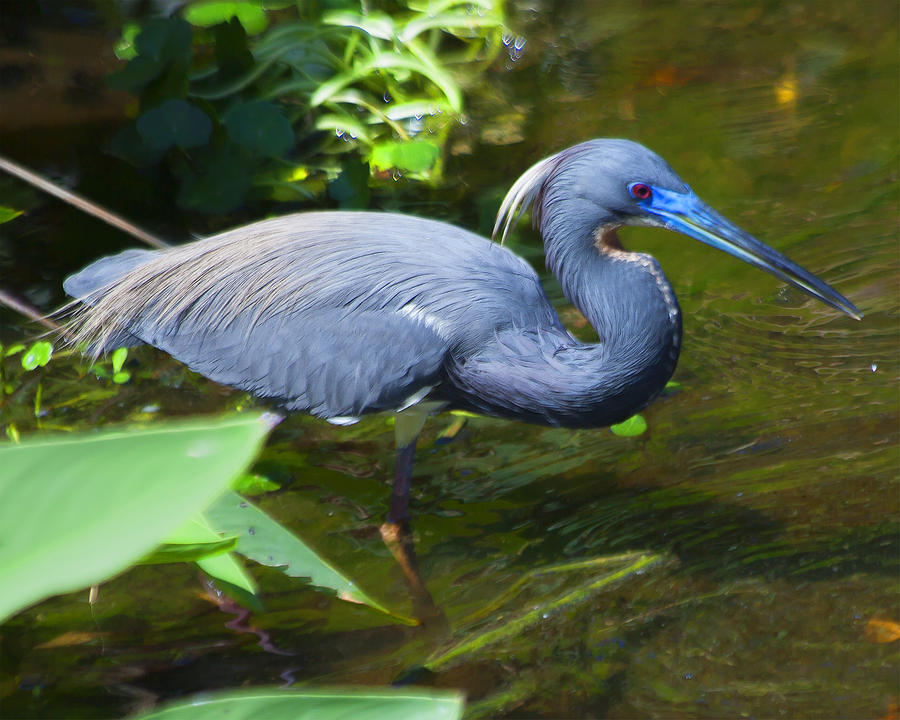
(606, 240)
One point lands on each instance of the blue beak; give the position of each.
(689, 215)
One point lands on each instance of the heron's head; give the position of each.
(612, 182)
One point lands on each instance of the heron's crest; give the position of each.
(525, 195)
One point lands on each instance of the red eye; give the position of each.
(639, 191)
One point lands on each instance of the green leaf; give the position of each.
(446, 21)
(118, 358)
(7, 214)
(195, 540)
(262, 539)
(120, 378)
(249, 14)
(125, 49)
(393, 62)
(78, 509)
(319, 704)
(165, 39)
(227, 567)
(38, 355)
(260, 127)
(633, 426)
(174, 122)
(187, 552)
(13, 349)
(344, 124)
(377, 24)
(415, 156)
(351, 187)
(253, 484)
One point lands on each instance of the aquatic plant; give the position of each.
(243, 101)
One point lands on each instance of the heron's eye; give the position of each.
(639, 191)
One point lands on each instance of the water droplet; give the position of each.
(396, 175)
(243, 504)
(338, 132)
(874, 367)
(251, 531)
(508, 38)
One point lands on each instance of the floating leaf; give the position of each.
(253, 484)
(174, 122)
(78, 509)
(260, 126)
(319, 704)
(118, 358)
(632, 427)
(13, 349)
(38, 355)
(249, 14)
(262, 539)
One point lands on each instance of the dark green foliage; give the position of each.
(241, 101)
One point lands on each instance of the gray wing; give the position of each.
(328, 363)
(332, 313)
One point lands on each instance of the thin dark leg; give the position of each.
(399, 512)
(397, 535)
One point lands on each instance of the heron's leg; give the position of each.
(396, 531)
(399, 512)
(407, 426)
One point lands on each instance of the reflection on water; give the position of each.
(764, 489)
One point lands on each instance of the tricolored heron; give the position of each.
(344, 313)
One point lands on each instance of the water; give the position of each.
(763, 497)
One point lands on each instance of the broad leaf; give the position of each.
(322, 704)
(78, 509)
(262, 539)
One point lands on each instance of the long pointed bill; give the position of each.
(688, 214)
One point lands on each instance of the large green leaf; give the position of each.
(77, 509)
(321, 704)
(262, 539)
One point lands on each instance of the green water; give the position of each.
(763, 498)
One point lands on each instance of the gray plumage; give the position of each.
(343, 313)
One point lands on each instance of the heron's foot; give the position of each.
(399, 540)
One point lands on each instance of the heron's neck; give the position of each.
(629, 302)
